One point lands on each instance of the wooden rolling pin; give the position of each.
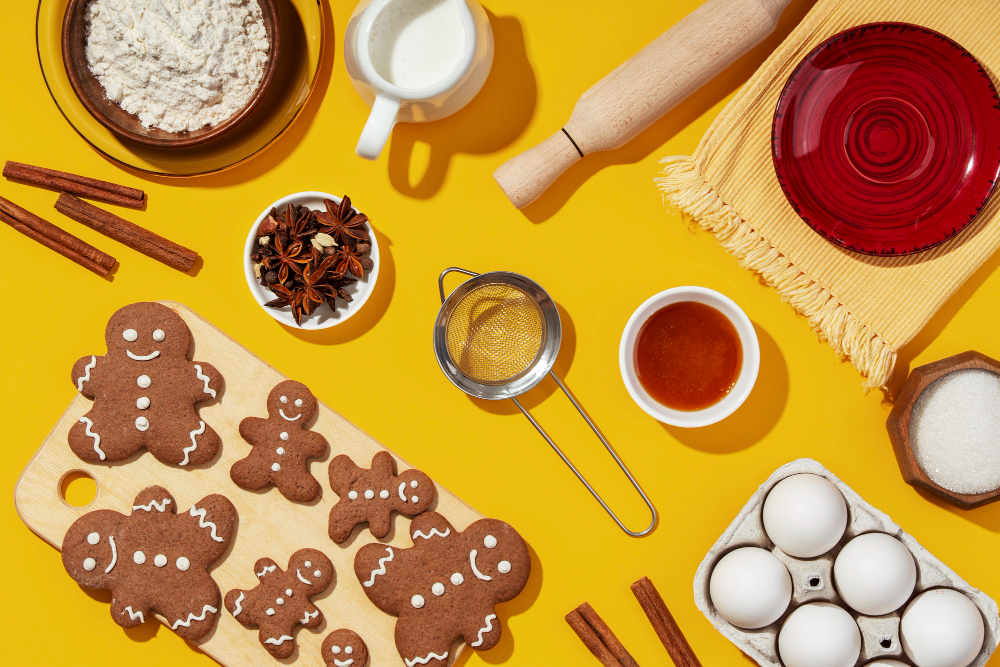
(642, 89)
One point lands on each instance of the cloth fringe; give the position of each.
(686, 188)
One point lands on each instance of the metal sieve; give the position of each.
(497, 336)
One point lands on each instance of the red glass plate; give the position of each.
(886, 139)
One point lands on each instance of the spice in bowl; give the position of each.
(307, 257)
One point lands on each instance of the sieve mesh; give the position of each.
(495, 333)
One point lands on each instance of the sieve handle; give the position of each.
(607, 446)
(452, 269)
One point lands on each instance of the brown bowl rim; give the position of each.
(186, 139)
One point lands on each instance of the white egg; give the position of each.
(750, 588)
(942, 628)
(819, 634)
(886, 663)
(875, 574)
(805, 515)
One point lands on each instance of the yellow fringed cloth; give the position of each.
(867, 308)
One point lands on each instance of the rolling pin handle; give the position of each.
(526, 176)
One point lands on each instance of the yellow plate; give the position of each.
(302, 47)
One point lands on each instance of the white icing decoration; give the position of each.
(114, 555)
(89, 564)
(142, 402)
(369, 494)
(438, 589)
(130, 335)
(93, 538)
(158, 335)
(160, 506)
(349, 650)
(288, 592)
(417, 601)
(86, 373)
(317, 573)
(159, 560)
(298, 402)
(308, 563)
(486, 628)
(97, 438)
(279, 641)
(280, 601)
(283, 436)
(503, 567)
(183, 564)
(424, 660)
(270, 611)
(267, 568)
(204, 378)
(335, 650)
(286, 417)
(284, 399)
(134, 614)
(191, 617)
(194, 444)
(475, 570)
(383, 494)
(402, 495)
(309, 615)
(143, 357)
(143, 381)
(413, 484)
(414, 499)
(275, 467)
(380, 569)
(280, 451)
(433, 531)
(353, 495)
(343, 663)
(303, 579)
(142, 424)
(138, 558)
(203, 523)
(457, 579)
(490, 541)
(239, 603)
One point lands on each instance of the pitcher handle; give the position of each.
(378, 128)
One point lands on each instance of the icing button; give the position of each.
(383, 494)
(270, 612)
(288, 592)
(183, 564)
(353, 495)
(280, 601)
(457, 579)
(142, 403)
(369, 494)
(275, 467)
(280, 451)
(438, 589)
(159, 560)
(283, 436)
(139, 558)
(417, 601)
(143, 381)
(141, 423)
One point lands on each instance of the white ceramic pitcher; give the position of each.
(430, 100)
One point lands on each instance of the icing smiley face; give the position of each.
(291, 401)
(95, 551)
(132, 333)
(344, 648)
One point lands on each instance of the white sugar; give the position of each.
(955, 431)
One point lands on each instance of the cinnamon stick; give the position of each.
(53, 245)
(79, 185)
(129, 233)
(599, 629)
(590, 639)
(58, 236)
(664, 624)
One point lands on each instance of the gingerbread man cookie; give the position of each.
(344, 648)
(154, 560)
(145, 391)
(446, 586)
(282, 445)
(280, 602)
(373, 494)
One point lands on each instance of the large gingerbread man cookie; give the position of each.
(373, 494)
(282, 445)
(155, 559)
(280, 602)
(145, 391)
(446, 586)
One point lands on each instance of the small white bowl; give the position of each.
(744, 383)
(322, 317)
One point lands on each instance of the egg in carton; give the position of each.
(812, 579)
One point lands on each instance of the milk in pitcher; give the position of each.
(417, 43)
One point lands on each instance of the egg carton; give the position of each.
(812, 579)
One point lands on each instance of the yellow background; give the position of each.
(600, 242)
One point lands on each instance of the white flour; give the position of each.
(177, 64)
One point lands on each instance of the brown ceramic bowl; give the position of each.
(127, 126)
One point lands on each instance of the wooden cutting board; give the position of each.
(269, 525)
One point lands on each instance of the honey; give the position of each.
(688, 356)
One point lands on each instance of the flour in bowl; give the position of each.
(178, 65)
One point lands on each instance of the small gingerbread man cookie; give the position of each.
(154, 559)
(344, 648)
(373, 494)
(145, 391)
(446, 586)
(282, 445)
(280, 602)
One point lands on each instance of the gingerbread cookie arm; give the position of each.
(343, 473)
(421, 649)
(215, 519)
(236, 603)
(250, 474)
(209, 381)
(264, 567)
(383, 465)
(193, 614)
(128, 612)
(430, 526)
(86, 375)
(316, 445)
(278, 644)
(483, 634)
(154, 499)
(249, 427)
(377, 568)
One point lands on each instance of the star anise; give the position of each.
(341, 222)
(298, 222)
(288, 256)
(350, 261)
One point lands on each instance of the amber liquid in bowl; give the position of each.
(688, 356)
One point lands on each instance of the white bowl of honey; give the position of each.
(689, 356)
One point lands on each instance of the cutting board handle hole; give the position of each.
(77, 488)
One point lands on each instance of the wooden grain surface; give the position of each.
(269, 525)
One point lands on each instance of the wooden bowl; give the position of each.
(898, 425)
(127, 126)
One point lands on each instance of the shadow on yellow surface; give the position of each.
(493, 120)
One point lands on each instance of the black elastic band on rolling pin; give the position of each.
(572, 142)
